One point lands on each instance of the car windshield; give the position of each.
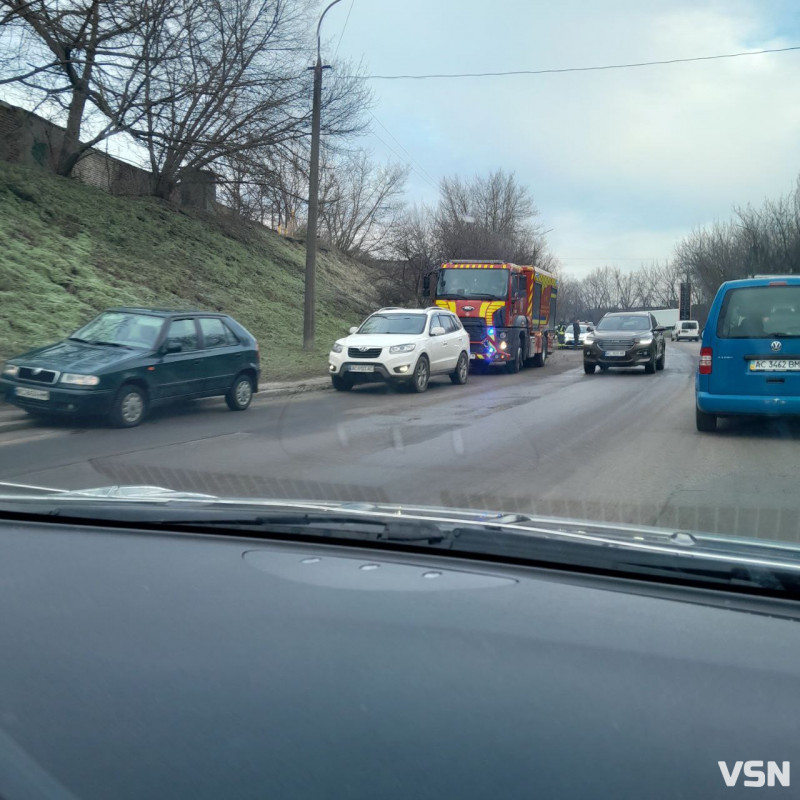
(331, 252)
(124, 329)
(760, 312)
(624, 322)
(466, 282)
(394, 323)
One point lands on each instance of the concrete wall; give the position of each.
(26, 138)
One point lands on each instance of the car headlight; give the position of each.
(401, 348)
(588, 340)
(337, 348)
(12, 370)
(80, 380)
(645, 340)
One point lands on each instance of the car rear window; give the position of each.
(688, 325)
(760, 312)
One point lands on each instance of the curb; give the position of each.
(12, 419)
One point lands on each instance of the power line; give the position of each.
(344, 28)
(400, 158)
(572, 69)
(422, 169)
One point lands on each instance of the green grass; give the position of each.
(67, 251)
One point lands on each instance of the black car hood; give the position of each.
(71, 356)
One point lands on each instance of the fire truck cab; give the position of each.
(508, 310)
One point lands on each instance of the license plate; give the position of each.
(33, 394)
(614, 353)
(775, 365)
(471, 356)
(362, 368)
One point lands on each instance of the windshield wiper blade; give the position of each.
(110, 344)
(78, 339)
(701, 561)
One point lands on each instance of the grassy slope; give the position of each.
(67, 251)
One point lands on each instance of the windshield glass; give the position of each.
(760, 312)
(632, 322)
(467, 283)
(615, 166)
(394, 323)
(116, 328)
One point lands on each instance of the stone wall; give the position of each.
(26, 138)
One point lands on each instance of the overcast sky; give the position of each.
(621, 163)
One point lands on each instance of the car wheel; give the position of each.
(650, 367)
(129, 407)
(240, 394)
(589, 368)
(706, 423)
(341, 384)
(422, 374)
(540, 358)
(460, 374)
(515, 365)
(661, 361)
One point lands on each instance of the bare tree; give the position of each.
(360, 203)
(488, 217)
(70, 55)
(236, 82)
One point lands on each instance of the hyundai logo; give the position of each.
(36, 371)
(363, 349)
(469, 308)
(776, 346)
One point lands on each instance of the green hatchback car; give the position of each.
(128, 359)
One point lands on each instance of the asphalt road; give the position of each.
(618, 446)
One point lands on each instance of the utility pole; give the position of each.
(309, 299)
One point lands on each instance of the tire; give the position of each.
(589, 368)
(540, 358)
(422, 375)
(129, 406)
(706, 423)
(650, 368)
(240, 394)
(460, 374)
(341, 384)
(516, 365)
(661, 361)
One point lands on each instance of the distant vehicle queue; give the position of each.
(484, 314)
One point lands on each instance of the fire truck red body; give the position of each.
(508, 310)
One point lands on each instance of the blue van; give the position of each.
(750, 352)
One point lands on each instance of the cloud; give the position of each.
(621, 163)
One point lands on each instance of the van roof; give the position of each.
(766, 280)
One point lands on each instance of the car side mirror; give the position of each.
(437, 330)
(354, 329)
(660, 329)
(426, 283)
(172, 346)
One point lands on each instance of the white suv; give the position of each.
(686, 329)
(401, 345)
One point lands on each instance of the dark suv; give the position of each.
(128, 359)
(625, 339)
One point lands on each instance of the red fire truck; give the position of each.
(508, 310)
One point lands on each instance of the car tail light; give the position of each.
(705, 360)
